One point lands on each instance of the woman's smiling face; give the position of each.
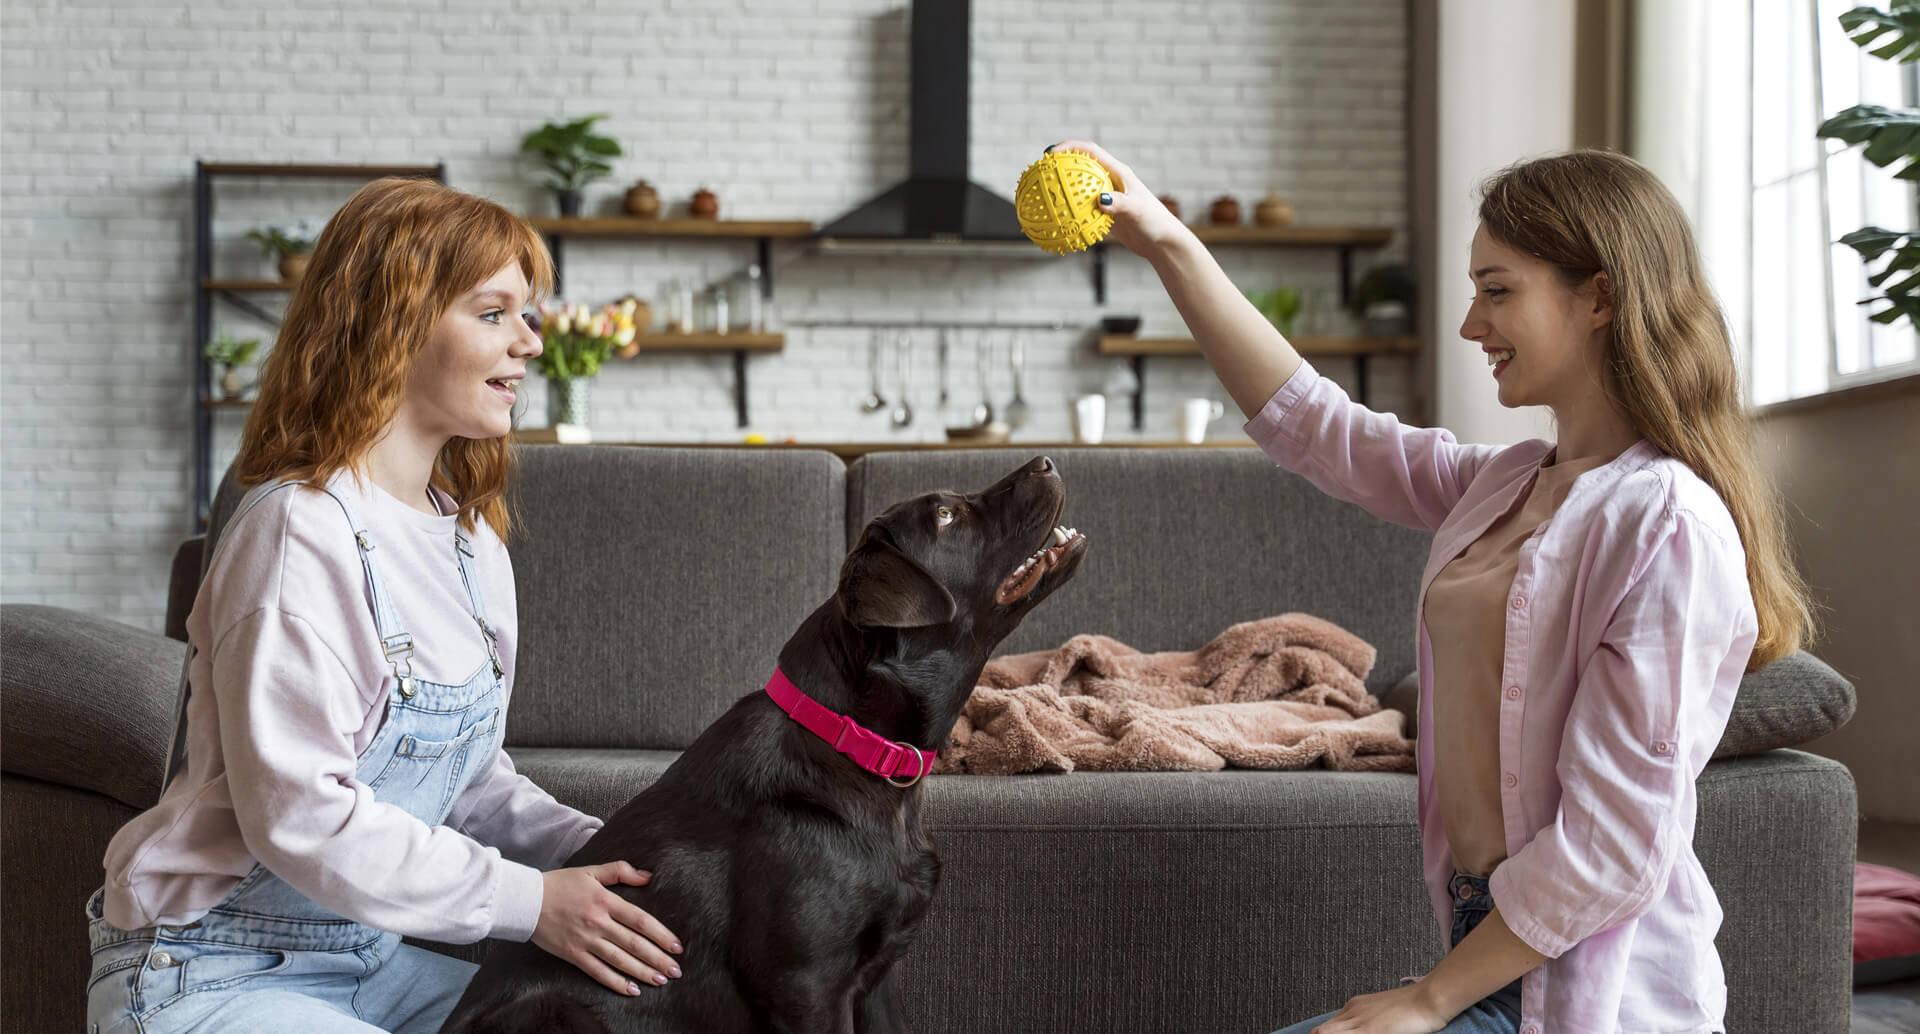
(464, 381)
(1542, 338)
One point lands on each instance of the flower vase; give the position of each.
(567, 401)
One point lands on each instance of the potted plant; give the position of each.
(575, 341)
(230, 353)
(1280, 306)
(1890, 137)
(293, 246)
(1384, 300)
(573, 155)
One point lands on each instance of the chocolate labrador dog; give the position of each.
(786, 844)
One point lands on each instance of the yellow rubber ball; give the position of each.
(1058, 203)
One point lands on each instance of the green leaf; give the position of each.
(1893, 35)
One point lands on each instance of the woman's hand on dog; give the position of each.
(610, 938)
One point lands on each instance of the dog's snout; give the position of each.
(1040, 465)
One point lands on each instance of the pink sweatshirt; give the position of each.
(1628, 629)
(289, 685)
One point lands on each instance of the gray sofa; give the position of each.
(656, 586)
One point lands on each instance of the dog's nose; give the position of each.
(1040, 465)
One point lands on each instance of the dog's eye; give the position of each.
(943, 516)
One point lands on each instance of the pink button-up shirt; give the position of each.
(1629, 626)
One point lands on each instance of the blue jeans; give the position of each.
(147, 981)
(1498, 1013)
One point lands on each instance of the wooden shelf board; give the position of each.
(248, 285)
(1114, 344)
(323, 169)
(626, 226)
(1301, 236)
(213, 403)
(854, 450)
(735, 342)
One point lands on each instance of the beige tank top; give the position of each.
(1466, 615)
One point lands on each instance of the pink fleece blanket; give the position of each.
(1281, 692)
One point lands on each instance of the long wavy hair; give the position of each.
(1669, 356)
(386, 268)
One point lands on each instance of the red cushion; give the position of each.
(1886, 913)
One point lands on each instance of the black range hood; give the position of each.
(937, 202)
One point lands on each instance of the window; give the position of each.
(1805, 330)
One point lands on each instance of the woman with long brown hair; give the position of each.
(1588, 608)
(351, 653)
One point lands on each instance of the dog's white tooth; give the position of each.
(1059, 536)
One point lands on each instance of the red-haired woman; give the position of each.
(352, 658)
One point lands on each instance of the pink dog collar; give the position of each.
(868, 749)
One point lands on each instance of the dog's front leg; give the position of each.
(879, 1011)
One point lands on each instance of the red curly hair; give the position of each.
(385, 270)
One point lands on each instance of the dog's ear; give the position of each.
(881, 587)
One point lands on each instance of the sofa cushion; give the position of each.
(88, 701)
(1244, 900)
(1186, 542)
(1794, 700)
(657, 585)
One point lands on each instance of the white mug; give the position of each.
(1194, 417)
(1089, 419)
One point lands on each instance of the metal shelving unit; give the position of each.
(238, 292)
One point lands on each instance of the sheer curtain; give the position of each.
(1726, 97)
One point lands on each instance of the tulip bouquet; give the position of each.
(575, 340)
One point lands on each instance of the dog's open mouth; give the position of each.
(1020, 584)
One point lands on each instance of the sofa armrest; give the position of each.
(89, 702)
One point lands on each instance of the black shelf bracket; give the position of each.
(740, 385)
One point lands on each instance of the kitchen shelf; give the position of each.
(629, 226)
(763, 232)
(248, 285)
(236, 292)
(325, 170)
(735, 342)
(739, 343)
(1139, 349)
(1126, 345)
(1343, 239)
(851, 451)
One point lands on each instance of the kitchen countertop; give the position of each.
(851, 450)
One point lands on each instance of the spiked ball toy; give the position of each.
(1057, 202)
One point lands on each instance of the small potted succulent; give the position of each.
(573, 156)
(1384, 300)
(229, 354)
(1280, 306)
(293, 246)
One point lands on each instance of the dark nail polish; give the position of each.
(1106, 199)
(1049, 148)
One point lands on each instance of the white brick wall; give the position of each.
(786, 109)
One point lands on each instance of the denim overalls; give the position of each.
(268, 958)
